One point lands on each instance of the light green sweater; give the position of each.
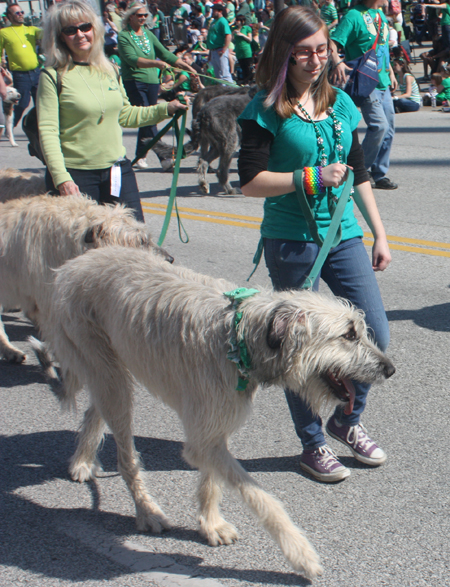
(71, 132)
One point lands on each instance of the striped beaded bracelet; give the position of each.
(312, 181)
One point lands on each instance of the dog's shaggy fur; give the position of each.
(15, 184)
(40, 233)
(12, 98)
(120, 313)
(220, 136)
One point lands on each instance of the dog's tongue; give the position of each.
(351, 392)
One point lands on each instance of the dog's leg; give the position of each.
(7, 350)
(212, 526)
(207, 155)
(269, 511)
(9, 129)
(224, 167)
(84, 464)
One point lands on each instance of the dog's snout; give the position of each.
(389, 370)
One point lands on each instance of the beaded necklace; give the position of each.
(337, 129)
(142, 41)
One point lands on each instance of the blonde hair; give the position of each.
(290, 26)
(132, 9)
(57, 54)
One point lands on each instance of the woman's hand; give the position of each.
(175, 105)
(381, 255)
(334, 175)
(69, 188)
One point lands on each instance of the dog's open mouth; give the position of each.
(343, 389)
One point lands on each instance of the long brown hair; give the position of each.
(290, 26)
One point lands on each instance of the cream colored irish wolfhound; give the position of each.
(16, 184)
(119, 313)
(40, 233)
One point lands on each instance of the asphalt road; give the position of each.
(388, 526)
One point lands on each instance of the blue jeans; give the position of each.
(25, 82)
(221, 65)
(348, 273)
(96, 183)
(142, 94)
(406, 105)
(378, 113)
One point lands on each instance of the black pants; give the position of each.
(96, 183)
(246, 67)
(141, 94)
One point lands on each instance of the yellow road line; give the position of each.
(222, 218)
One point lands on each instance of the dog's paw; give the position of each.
(204, 187)
(223, 533)
(13, 355)
(82, 471)
(151, 518)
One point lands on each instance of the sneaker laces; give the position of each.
(328, 457)
(357, 436)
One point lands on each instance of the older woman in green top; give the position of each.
(81, 107)
(143, 56)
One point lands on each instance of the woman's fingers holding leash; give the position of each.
(69, 188)
(175, 105)
(334, 175)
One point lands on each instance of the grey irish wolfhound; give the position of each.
(40, 233)
(119, 313)
(220, 136)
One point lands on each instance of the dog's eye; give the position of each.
(351, 334)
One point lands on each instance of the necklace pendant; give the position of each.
(102, 118)
(24, 46)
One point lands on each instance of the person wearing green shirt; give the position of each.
(218, 43)
(356, 34)
(81, 107)
(155, 20)
(329, 14)
(143, 56)
(244, 10)
(178, 16)
(19, 43)
(445, 21)
(242, 39)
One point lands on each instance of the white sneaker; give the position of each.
(141, 164)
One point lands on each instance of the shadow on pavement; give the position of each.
(431, 317)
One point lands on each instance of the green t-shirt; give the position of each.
(445, 95)
(179, 14)
(216, 34)
(329, 14)
(186, 85)
(294, 147)
(130, 52)
(71, 132)
(13, 39)
(242, 47)
(445, 20)
(231, 12)
(357, 32)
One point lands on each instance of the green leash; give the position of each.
(334, 233)
(173, 189)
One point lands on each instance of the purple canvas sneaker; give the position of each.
(363, 448)
(323, 465)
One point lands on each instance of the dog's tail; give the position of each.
(52, 374)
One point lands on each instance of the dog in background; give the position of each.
(12, 98)
(15, 184)
(220, 135)
(39, 234)
(120, 314)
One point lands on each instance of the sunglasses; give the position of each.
(142, 15)
(70, 31)
(18, 12)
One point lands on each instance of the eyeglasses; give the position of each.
(142, 15)
(18, 12)
(70, 31)
(306, 54)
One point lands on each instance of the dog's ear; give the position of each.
(278, 326)
(92, 233)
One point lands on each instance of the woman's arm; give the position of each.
(47, 106)
(365, 200)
